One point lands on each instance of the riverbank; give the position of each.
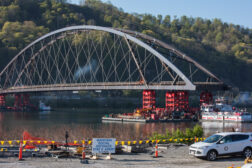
(172, 156)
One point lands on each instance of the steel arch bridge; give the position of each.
(98, 58)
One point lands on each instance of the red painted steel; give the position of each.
(26, 100)
(206, 97)
(2, 100)
(177, 100)
(18, 102)
(170, 101)
(149, 99)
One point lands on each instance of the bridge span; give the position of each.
(101, 58)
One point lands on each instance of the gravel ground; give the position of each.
(172, 157)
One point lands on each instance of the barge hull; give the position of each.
(125, 119)
(144, 120)
(227, 118)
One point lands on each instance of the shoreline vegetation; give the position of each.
(190, 134)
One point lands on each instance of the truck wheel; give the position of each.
(212, 155)
(247, 152)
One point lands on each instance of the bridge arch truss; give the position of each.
(96, 58)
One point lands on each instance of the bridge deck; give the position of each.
(112, 86)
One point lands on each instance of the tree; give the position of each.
(61, 1)
(167, 21)
(160, 19)
(219, 37)
(16, 34)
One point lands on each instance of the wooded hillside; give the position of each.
(225, 49)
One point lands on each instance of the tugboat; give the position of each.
(43, 107)
(221, 111)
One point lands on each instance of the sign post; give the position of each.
(103, 145)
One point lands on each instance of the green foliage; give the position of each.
(219, 37)
(156, 136)
(16, 34)
(196, 131)
(9, 13)
(188, 133)
(225, 49)
(178, 134)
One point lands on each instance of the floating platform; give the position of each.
(125, 119)
(143, 120)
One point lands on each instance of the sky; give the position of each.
(230, 11)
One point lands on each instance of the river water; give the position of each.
(86, 123)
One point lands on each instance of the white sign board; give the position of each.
(103, 145)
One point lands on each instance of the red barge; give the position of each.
(176, 109)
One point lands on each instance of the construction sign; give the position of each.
(103, 145)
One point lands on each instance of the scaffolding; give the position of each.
(177, 101)
(149, 99)
(2, 100)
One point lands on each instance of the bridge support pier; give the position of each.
(183, 100)
(170, 100)
(206, 97)
(22, 105)
(18, 102)
(26, 100)
(2, 101)
(176, 100)
(149, 99)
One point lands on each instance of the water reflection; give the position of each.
(86, 123)
(213, 127)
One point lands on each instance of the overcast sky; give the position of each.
(231, 11)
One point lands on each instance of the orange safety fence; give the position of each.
(31, 141)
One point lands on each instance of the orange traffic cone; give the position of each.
(156, 150)
(20, 151)
(83, 154)
(83, 159)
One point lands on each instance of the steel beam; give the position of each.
(188, 84)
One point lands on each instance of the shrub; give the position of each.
(178, 134)
(189, 133)
(198, 130)
(157, 136)
(168, 134)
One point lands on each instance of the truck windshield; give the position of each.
(213, 138)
